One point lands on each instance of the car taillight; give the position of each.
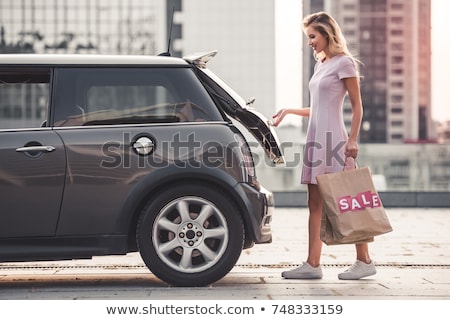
(247, 165)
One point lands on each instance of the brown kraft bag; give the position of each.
(352, 208)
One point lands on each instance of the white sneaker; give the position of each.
(305, 271)
(358, 270)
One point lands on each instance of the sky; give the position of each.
(288, 14)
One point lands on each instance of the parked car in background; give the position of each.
(106, 155)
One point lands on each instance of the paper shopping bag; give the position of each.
(327, 236)
(352, 207)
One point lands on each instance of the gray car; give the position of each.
(106, 155)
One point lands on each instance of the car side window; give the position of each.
(24, 97)
(107, 96)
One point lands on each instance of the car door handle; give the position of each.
(36, 149)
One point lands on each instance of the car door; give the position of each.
(32, 158)
(110, 118)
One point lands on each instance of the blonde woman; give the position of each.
(328, 146)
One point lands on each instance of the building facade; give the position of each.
(85, 26)
(243, 33)
(62, 26)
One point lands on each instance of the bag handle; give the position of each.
(345, 163)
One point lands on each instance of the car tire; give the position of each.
(190, 235)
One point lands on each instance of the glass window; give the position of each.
(398, 168)
(397, 136)
(24, 96)
(397, 98)
(349, 6)
(397, 6)
(350, 33)
(397, 20)
(397, 59)
(380, 5)
(397, 110)
(348, 20)
(397, 46)
(102, 96)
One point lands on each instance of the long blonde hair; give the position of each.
(329, 28)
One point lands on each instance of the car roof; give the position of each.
(88, 59)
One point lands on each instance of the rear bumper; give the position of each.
(260, 209)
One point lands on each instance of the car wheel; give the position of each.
(190, 235)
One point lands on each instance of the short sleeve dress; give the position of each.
(326, 135)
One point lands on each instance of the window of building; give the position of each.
(350, 32)
(398, 168)
(440, 171)
(396, 98)
(397, 6)
(380, 23)
(349, 20)
(397, 110)
(380, 6)
(349, 6)
(396, 32)
(379, 98)
(397, 123)
(397, 59)
(397, 46)
(397, 20)
(397, 136)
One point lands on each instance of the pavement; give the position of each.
(413, 262)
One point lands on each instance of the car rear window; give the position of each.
(107, 96)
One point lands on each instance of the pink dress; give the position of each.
(326, 136)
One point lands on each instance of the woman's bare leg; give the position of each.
(315, 217)
(362, 252)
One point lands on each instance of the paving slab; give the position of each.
(413, 262)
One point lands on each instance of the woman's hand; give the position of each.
(278, 117)
(351, 148)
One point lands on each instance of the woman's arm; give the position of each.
(279, 116)
(352, 86)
